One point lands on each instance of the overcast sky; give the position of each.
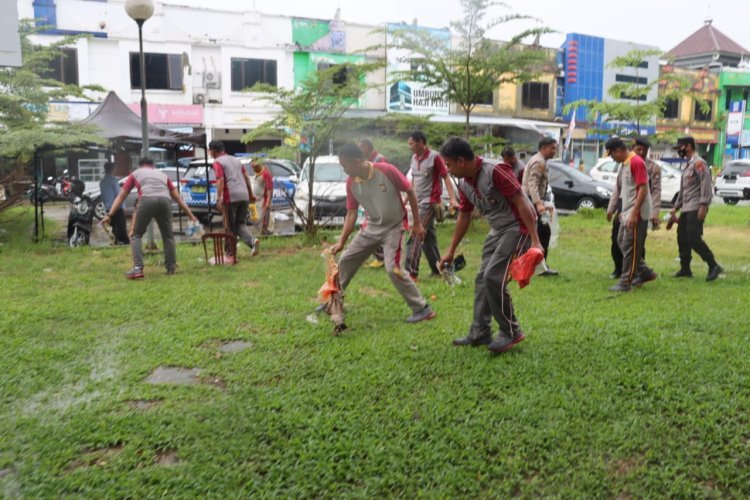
(663, 23)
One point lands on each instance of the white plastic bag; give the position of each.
(554, 224)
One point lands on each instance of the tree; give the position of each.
(310, 114)
(25, 93)
(469, 73)
(631, 106)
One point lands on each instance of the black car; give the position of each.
(575, 190)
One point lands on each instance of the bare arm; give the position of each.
(417, 230)
(463, 223)
(116, 205)
(350, 222)
(220, 193)
(181, 203)
(249, 188)
(655, 180)
(451, 191)
(635, 213)
(527, 215)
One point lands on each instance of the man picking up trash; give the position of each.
(378, 188)
(495, 191)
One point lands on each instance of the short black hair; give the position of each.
(546, 141)
(216, 146)
(686, 141)
(351, 152)
(642, 141)
(508, 151)
(367, 142)
(145, 161)
(418, 136)
(614, 144)
(109, 167)
(456, 147)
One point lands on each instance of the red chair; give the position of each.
(225, 248)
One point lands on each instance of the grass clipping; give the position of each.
(331, 295)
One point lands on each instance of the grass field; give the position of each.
(636, 395)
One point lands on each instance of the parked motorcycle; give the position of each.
(80, 217)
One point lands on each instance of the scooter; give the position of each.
(80, 217)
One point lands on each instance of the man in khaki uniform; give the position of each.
(535, 181)
(693, 200)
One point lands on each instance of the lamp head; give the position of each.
(139, 10)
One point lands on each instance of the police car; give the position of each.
(198, 193)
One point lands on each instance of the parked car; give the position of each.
(129, 206)
(197, 193)
(574, 190)
(606, 170)
(733, 182)
(328, 193)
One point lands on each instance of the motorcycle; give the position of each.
(80, 217)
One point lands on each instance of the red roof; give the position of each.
(707, 40)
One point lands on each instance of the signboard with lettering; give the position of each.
(172, 114)
(735, 122)
(409, 96)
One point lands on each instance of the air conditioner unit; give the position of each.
(199, 98)
(213, 96)
(212, 79)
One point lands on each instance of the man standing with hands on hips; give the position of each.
(535, 181)
(693, 200)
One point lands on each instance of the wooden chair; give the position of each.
(221, 243)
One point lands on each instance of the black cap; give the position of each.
(642, 141)
(684, 141)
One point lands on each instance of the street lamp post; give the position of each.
(140, 11)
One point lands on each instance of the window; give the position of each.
(700, 115)
(163, 71)
(484, 99)
(610, 167)
(535, 95)
(248, 72)
(341, 75)
(640, 80)
(64, 69)
(671, 109)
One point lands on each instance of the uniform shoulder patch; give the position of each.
(700, 166)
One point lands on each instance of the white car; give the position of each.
(606, 170)
(733, 182)
(328, 192)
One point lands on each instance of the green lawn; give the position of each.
(639, 395)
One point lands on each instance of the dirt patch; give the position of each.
(174, 376)
(233, 346)
(627, 466)
(144, 404)
(251, 285)
(167, 458)
(214, 381)
(247, 327)
(96, 458)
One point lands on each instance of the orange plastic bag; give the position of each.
(331, 295)
(522, 269)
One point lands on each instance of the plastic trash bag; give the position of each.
(554, 224)
(524, 267)
(331, 296)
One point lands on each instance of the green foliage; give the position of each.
(475, 68)
(25, 93)
(641, 395)
(312, 112)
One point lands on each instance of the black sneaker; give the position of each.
(683, 273)
(464, 341)
(505, 342)
(425, 314)
(714, 272)
(171, 271)
(641, 280)
(135, 273)
(620, 287)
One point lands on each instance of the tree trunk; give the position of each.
(466, 124)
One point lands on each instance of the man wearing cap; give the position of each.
(428, 174)
(155, 190)
(696, 192)
(494, 190)
(641, 146)
(378, 187)
(233, 194)
(535, 181)
(632, 188)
